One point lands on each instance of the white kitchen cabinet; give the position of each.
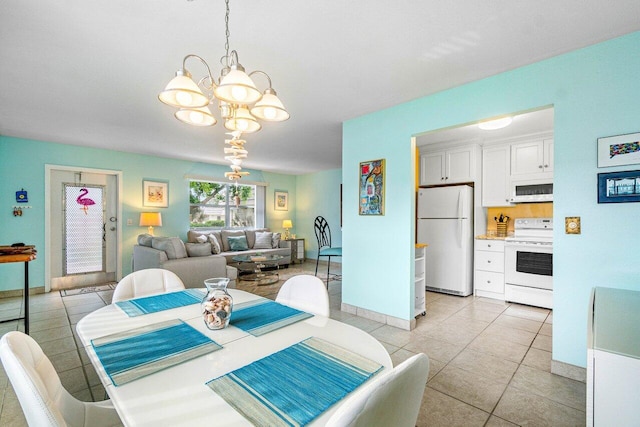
(496, 170)
(420, 280)
(613, 358)
(452, 166)
(489, 269)
(532, 159)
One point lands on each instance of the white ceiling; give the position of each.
(87, 72)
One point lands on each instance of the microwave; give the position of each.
(531, 191)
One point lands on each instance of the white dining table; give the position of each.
(179, 396)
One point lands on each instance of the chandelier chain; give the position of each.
(227, 33)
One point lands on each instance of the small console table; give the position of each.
(297, 249)
(26, 258)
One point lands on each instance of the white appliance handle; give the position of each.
(459, 218)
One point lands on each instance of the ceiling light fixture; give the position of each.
(496, 124)
(240, 103)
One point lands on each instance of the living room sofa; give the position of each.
(206, 254)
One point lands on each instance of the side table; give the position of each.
(297, 249)
(26, 258)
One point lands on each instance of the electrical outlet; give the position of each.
(572, 225)
(129, 221)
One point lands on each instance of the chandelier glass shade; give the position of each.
(240, 103)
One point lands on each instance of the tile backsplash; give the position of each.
(522, 210)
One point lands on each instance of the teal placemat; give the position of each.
(261, 316)
(154, 303)
(127, 356)
(295, 385)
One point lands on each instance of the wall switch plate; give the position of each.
(129, 221)
(572, 225)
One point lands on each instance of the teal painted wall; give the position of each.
(318, 194)
(595, 93)
(22, 165)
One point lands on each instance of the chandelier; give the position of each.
(239, 101)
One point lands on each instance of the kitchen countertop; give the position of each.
(492, 236)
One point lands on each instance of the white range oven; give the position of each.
(528, 263)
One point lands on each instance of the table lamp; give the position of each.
(287, 224)
(150, 219)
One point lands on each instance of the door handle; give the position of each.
(112, 228)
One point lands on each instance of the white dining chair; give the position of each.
(391, 399)
(44, 401)
(146, 282)
(306, 293)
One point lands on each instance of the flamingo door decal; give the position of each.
(85, 202)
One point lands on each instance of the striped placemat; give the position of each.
(295, 385)
(127, 356)
(262, 316)
(154, 303)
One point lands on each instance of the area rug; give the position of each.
(270, 291)
(89, 289)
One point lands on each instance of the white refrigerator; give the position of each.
(445, 223)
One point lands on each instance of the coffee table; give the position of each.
(254, 264)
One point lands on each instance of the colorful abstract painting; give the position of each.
(619, 150)
(371, 187)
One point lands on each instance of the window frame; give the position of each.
(259, 204)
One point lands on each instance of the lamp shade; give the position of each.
(237, 88)
(150, 219)
(196, 116)
(243, 121)
(270, 108)
(286, 223)
(182, 92)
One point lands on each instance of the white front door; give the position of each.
(82, 228)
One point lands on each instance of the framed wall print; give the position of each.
(619, 150)
(155, 194)
(281, 201)
(619, 187)
(371, 187)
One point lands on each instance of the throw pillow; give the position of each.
(275, 240)
(198, 249)
(215, 245)
(202, 238)
(230, 233)
(145, 239)
(238, 243)
(263, 240)
(172, 246)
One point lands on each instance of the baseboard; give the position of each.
(396, 322)
(569, 371)
(18, 292)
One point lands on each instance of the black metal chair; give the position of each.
(323, 236)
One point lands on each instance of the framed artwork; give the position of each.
(619, 187)
(155, 194)
(281, 201)
(371, 187)
(619, 150)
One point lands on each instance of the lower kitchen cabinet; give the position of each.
(489, 269)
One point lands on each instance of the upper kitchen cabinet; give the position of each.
(452, 166)
(532, 159)
(496, 169)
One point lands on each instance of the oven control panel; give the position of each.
(534, 223)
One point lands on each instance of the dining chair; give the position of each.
(146, 282)
(323, 236)
(44, 401)
(391, 399)
(306, 293)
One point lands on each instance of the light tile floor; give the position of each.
(490, 361)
